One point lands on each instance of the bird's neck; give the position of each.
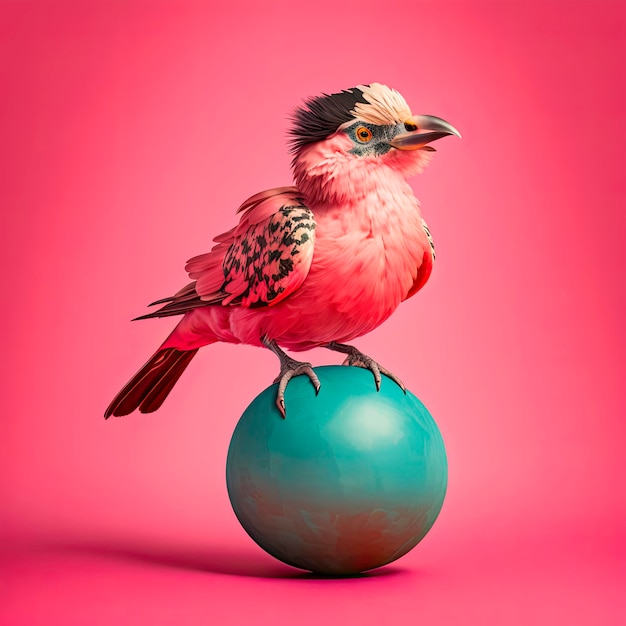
(328, 176)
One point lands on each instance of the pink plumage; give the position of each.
(316, 264)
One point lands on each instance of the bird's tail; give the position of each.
(149, 387)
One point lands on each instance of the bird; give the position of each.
(315, 264)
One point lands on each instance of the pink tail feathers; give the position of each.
(149, 387)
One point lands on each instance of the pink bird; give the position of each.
(316, 264)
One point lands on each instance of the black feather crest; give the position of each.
(320, 117)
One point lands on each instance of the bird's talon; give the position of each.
(280, 405)
(356, 358)
(288, 369)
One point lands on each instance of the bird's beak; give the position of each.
(423, 130)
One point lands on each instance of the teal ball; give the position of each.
(351, 480)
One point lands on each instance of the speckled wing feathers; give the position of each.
(260, 262)
(271, 260)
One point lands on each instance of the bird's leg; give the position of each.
(288, 369)
(357, 358)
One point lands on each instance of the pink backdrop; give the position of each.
(130, 133)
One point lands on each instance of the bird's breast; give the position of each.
(368, 256)
(375, 255)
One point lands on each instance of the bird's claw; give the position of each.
(289, 369)
(358, 359)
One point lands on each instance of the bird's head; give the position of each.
(344, 142)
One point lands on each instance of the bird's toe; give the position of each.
(358, 359)
(293, 368)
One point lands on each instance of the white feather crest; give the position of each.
(385, 105)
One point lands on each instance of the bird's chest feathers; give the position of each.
(373, 247)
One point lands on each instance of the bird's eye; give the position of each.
(363, 134)
(410, 125)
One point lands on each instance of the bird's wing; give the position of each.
(424, 269)
(258, 263)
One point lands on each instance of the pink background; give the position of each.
(130, 133)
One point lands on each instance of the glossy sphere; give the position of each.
(351, 480)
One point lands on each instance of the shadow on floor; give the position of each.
(202, 558)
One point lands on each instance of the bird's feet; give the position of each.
(358, 359)
(288, 369)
